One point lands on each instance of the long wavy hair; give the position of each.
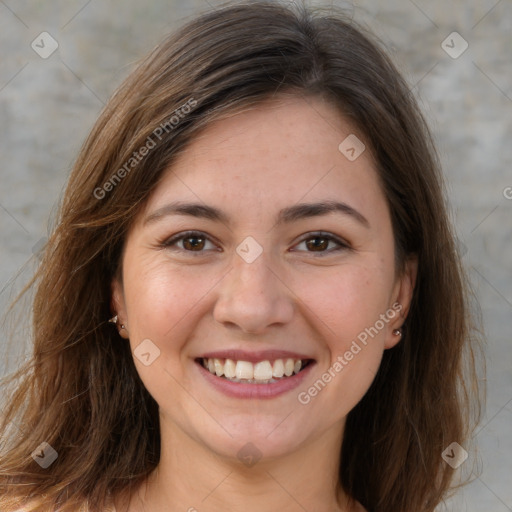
(80, 391)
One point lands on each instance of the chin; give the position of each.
(255, 437)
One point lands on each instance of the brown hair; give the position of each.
(81, 393)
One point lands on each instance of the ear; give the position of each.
(401, 299)
(118, 306)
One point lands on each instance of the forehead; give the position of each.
(280, 152)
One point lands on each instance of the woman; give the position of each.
(252, 298)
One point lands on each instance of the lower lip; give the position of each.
(243, 390)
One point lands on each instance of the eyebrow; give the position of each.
(285, 216)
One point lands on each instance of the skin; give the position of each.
(291, 297)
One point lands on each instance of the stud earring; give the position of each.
(397, 332)
(114, 320)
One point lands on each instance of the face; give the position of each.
(250, 279)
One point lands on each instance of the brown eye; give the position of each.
(191, 242)
(319, 243)
(197, 243)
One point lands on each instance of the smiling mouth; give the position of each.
(262, 372)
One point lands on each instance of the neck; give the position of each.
(191, 477)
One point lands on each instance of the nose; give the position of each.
(252, 297)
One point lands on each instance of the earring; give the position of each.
(397, 332)
(114, 320)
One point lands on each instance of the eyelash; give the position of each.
(168, 243)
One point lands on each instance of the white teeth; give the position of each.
(278, 368)
(288, 367)
(230, 368)
(219, 367)
(244, 370)
(261, 372)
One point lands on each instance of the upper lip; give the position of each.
(254, 356)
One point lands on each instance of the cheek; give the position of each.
(347, 300)
(348, 308)
(163, 299)
(163, 303)
(349, 304)
(352, 304)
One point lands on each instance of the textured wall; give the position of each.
(49, 103)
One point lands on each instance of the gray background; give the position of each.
(47, 107)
